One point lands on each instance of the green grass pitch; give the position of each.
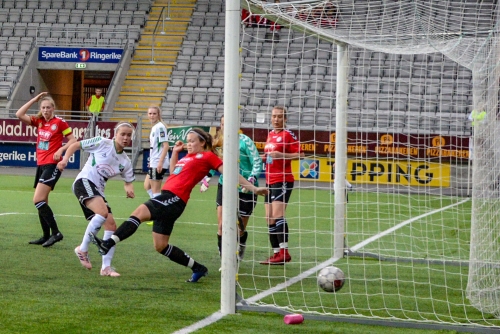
(47, 290)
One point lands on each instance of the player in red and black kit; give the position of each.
(49, 149)
(164, 209)
(281, 148)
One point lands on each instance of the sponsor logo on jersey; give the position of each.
(199, 156)
(44, 135)
(53, 127)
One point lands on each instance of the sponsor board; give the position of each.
(377, 145)
(13, 130)
(79, 55)
(24, 155)
(396, 172)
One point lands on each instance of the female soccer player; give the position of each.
(166, 208)
(158, 153)
(106, 159)
(281, 148)
(250, 165)
(49, 149)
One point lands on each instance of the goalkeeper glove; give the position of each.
(252, 180)
(204, 184)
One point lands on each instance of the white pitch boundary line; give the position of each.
(218, 315)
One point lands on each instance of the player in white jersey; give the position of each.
(158, 153)
(107, 159)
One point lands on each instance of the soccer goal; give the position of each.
(403, 97)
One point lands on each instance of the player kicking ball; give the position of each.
(166, 208)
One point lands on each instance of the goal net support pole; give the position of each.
(231, 151)
(341, 149)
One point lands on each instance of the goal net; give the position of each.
(403, 97)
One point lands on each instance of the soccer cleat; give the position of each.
(109, 271)
(281, 257)
(278, 258)
(53, 239)
(84, 258)
(268, 261)
(203, 271)
(241, 251)
(39, 241)
(101, 244)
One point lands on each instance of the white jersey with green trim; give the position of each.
(104, 162)
(157, 137)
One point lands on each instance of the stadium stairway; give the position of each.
(151, 67)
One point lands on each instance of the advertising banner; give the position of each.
(79, 55)
(17, 139)
(396, 172)
(180, 133)
(377, 145)
(13, 130)
(24, 155)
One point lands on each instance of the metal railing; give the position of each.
(161, 18)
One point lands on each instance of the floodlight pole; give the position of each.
(231, 150)
(340, 150)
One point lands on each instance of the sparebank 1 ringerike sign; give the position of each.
(79, 55)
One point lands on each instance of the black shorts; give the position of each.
(154, 175)
(247, 201)
(165, 209)
(85, 189)
(279, 192)
(48, 175)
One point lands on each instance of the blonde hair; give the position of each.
(122, 124)
(45, 98)
(283, 108)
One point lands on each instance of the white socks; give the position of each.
(106, 259)
(150, 193)
(94, 225)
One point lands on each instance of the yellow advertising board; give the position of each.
(396, 172)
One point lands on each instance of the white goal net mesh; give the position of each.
(421, 221)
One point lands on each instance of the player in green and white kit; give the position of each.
(250, 165)
(158, 153)
(107, 159)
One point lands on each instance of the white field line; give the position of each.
(217, 315)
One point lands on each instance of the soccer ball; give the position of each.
(331, 279)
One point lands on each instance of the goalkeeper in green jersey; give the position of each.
(250, 165)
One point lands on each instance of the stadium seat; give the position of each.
(63, 16)
(88, 16)
(113, 17)
(131, 5)
(139, 17)
(172, 94)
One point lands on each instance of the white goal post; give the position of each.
(390, 96)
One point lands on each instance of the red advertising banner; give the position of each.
(431, 147)
(13, 130)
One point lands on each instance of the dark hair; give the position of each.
(282, 108)
(204, 136)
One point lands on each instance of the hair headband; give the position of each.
(192, 131)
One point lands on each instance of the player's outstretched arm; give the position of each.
(247, 185)
(69, 152)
